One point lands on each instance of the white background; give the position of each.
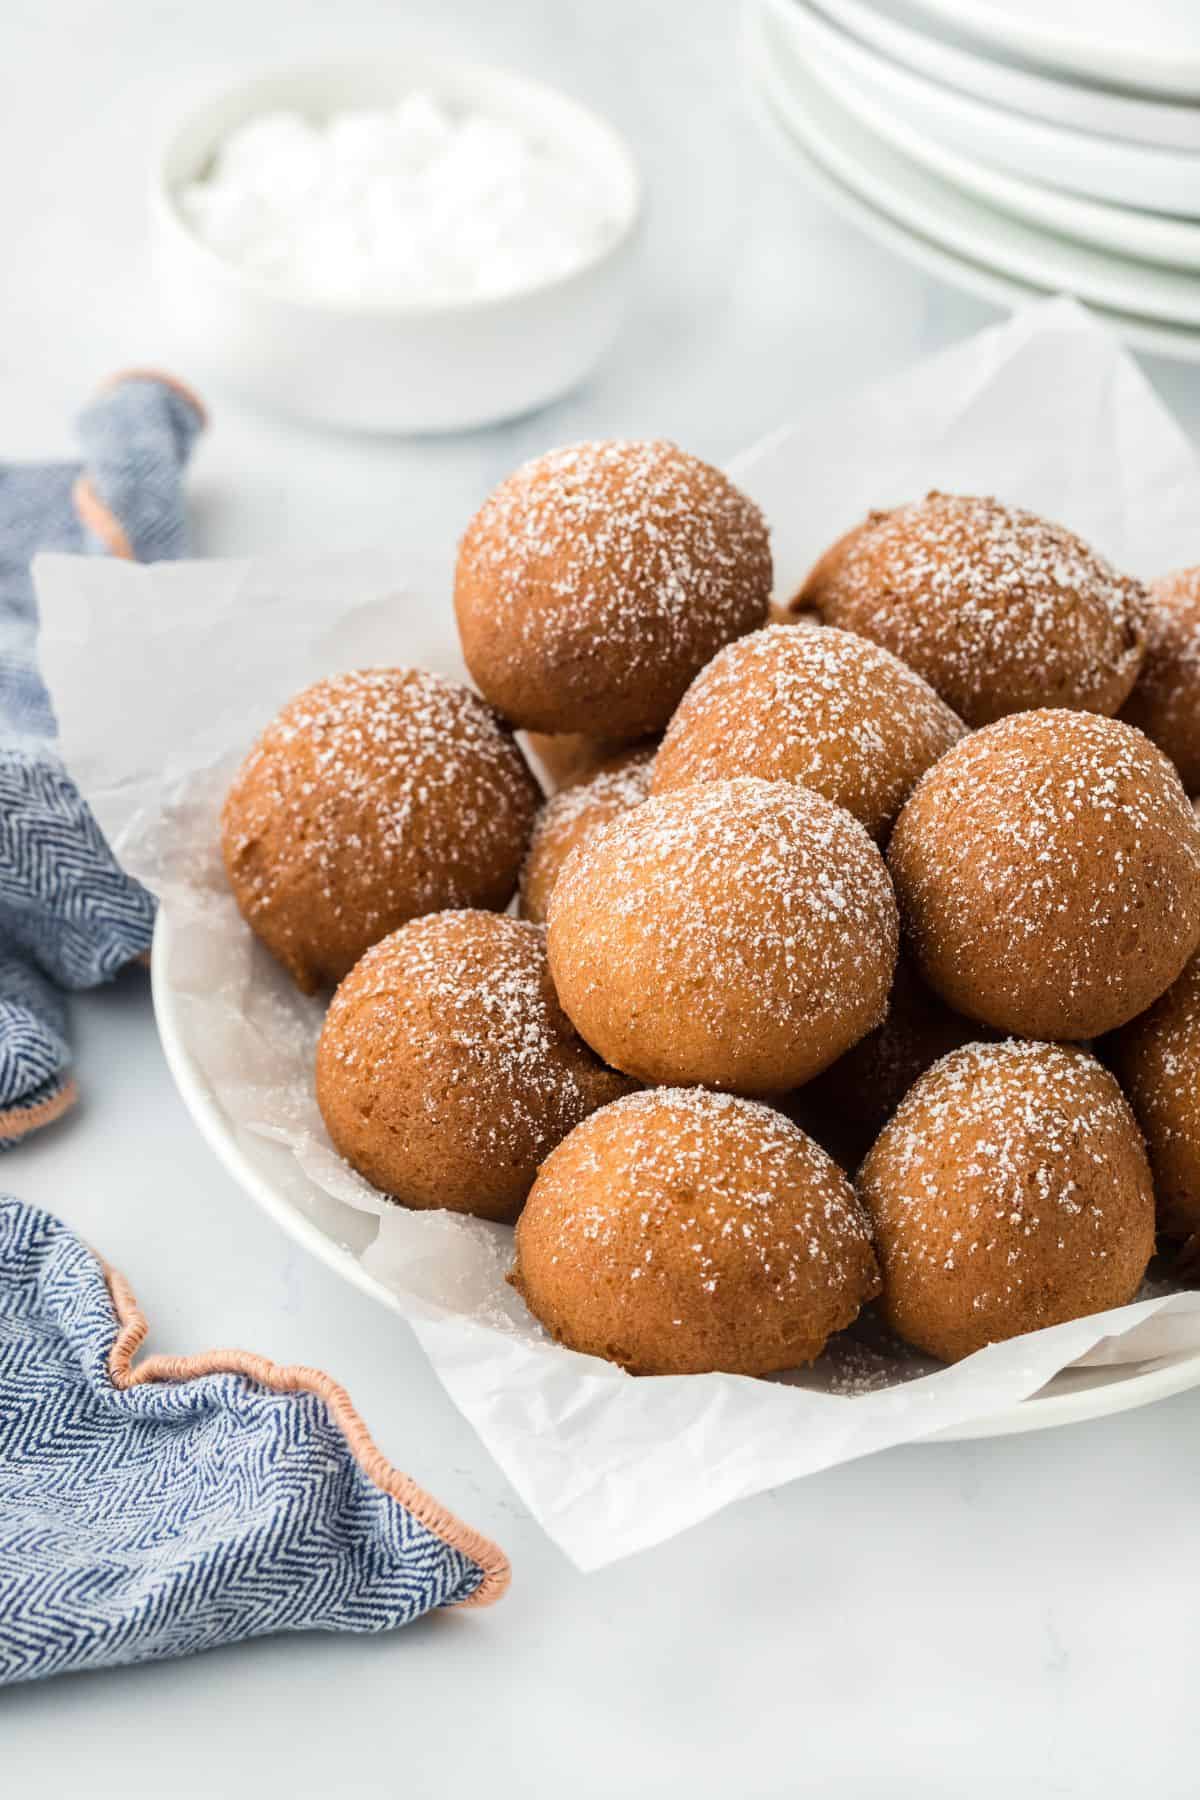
(995, 1619)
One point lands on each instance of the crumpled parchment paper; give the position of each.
(161, 677)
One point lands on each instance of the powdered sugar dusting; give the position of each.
(859, 1093)
(469, 995)
(641, 549)
(822, 707)
(382, 775)
(1000, 610)
(570, 815)
(1060, 849)
(1001, 1155)
(1165, 703)
(1173, 1027)
(606, 793)
(739, 902)
(706, 1181)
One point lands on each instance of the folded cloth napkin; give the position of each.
(147, 1511)
(69, 918)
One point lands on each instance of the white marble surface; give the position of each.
(992, 1619)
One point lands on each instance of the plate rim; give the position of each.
(1082, 218)
(917, 244)
(1021, 87)
(1125, 65)
(1085, 162)
(220, 1133)
(1038, 1412)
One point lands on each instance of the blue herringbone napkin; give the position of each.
(68, 917)
(150, 1510)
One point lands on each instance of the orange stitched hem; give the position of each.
(20, 1120)
(497, 1571)
(95, 517)
(169, 381)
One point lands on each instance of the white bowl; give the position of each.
(392, 365)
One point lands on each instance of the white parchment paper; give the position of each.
(161, 677)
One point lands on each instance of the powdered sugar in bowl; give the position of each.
(409, 246)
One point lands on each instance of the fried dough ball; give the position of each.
(372, 798)
(861, 1090)
(596, 581)
(1157, 1058)
(567, 819)
(999, 610)
(1048, 872)
(741, 934)
(1009, 1192)
(824, 708)
(447, 1070)
(680, 1231)
(793, 612)
(1165, 704)
(569, 757)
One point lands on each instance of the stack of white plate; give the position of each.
(1014, 147)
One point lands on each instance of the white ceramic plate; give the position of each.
(973, 278)
(271, 1176)
(267, 1171)
(1123, 231)
(1153, 45)
(933, 223)
(947, 56)
(1108, 169)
